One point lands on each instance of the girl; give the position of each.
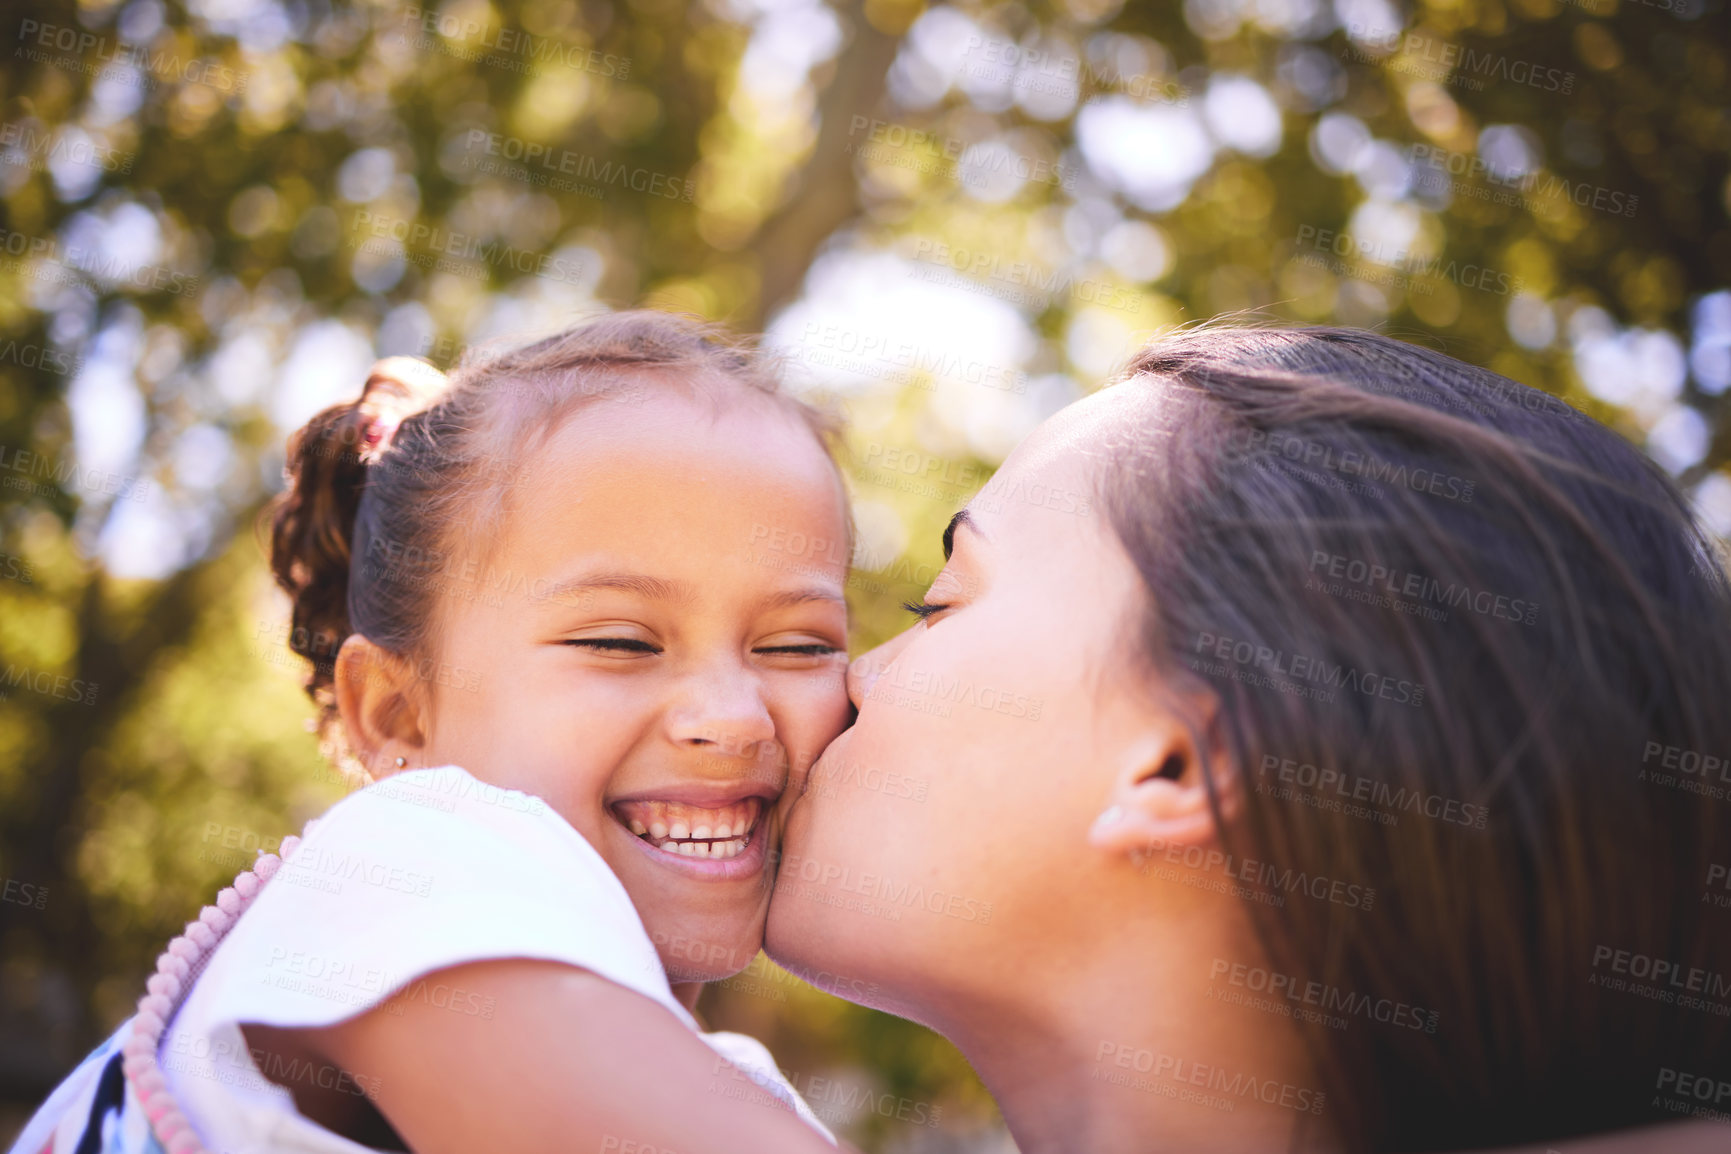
(551, 605)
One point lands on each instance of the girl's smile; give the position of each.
(703, 831)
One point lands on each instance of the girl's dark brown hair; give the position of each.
(366, 542)
(1464, 600)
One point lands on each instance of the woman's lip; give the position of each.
(748, 863)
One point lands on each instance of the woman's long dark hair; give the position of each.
(1416, 588)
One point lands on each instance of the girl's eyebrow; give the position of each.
(656, 588)
(661, 589)
(802, 596)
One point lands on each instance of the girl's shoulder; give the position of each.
(451, 798)
(425, 870)
(397, 882)
(393, 884)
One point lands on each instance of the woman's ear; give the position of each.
(1159, 795)
(383, 706)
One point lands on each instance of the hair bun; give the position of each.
(312, 524)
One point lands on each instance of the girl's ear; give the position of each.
(383, 705)
(1159, 797)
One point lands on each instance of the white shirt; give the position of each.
(422, 871)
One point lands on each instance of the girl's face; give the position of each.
(946, 833)
(655, 643)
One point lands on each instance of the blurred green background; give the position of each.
(949, 219)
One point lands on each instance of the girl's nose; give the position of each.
(723, 712)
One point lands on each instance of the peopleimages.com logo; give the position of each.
(1338, 785)
(1426, 57)
(1391, 584)
(1299, 668)
(133, 65)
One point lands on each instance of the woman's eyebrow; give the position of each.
(961, 518)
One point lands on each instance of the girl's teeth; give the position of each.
(707, 849)
(725, 832)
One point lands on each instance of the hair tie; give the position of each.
(396, 389)
(376, 436)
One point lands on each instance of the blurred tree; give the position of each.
(214, 213)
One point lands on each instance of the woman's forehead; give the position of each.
(1077, 437)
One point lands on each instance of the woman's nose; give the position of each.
(864, 670)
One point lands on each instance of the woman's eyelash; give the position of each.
(922, 609)
(627, 644)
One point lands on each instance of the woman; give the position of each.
(1307, 724)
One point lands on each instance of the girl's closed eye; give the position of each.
(612, 644)
(797, 649)
(619, 640)
(634, 646)
(924, 610)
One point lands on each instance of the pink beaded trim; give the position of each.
(176, 970)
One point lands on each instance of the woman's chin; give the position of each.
(781, 937)
(816, 928)
(800, 934)
(783, 933)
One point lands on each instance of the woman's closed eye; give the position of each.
(924, 610)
